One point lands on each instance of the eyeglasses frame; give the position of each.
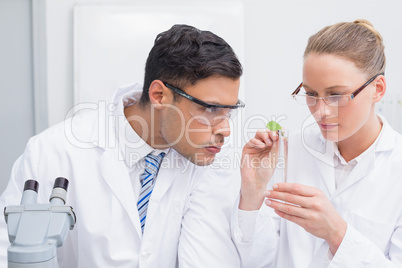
(180, 92)
(352, 95)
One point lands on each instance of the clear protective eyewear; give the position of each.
(206, 113)
(332, 100)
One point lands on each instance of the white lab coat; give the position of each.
(188, 214)
(370, 201)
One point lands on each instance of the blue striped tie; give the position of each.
(152, 163)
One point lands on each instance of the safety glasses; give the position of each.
(206, 113)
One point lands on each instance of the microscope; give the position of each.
(36, 230)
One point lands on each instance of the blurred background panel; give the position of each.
(16, 83)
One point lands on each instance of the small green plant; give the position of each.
(273, 126)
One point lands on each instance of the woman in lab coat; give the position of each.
(342, 204)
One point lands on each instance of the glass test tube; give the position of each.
(282, 164)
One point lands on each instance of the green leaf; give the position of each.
(273, 126)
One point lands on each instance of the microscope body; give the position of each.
(36, 230)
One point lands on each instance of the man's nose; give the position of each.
(222, 128)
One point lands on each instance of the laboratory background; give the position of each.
(60, 57)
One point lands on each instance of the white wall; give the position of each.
(16, 102)
(112, 42)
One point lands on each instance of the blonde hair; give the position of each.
(356, 41)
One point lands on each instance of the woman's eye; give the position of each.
(311, 94)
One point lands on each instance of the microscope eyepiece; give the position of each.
(32, 185)
(30, 192)
(61, 182)
(59, 191)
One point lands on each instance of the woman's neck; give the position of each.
(359, 142)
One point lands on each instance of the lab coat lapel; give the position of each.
(323, 155)
(117, 178)
(325, 165)
(364, 167)
(327, 175)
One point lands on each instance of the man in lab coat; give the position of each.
(181, 115)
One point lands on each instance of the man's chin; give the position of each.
(203, 161)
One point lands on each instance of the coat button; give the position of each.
(144, 255)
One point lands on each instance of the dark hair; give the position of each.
(183, 55)
(356, 41)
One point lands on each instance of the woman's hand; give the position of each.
(258, 163)
(309, 208)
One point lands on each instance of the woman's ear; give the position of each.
(380, 88)
(156, 93)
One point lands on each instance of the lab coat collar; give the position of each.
(113, 165)
(114, 133)
(387, 138)
(323, 153)
(130, 148)
(314, 142)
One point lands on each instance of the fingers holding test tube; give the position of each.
(259, 159)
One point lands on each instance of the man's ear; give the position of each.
(380, 88)
(156, 93)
